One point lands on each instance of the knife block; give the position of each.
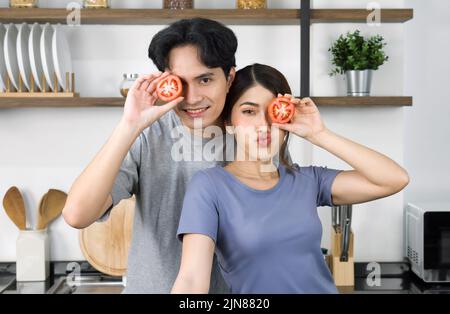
(343, 272)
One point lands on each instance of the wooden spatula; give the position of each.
(50, 207)
(15, 207)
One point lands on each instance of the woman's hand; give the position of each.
(306, 121)
(140, 110)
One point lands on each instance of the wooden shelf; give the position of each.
(359, 15)
(346, 101)
(7, 102)
(152, 16)
(395, 101)
(228, 16)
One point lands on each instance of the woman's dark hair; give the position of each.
(269, 78)
(216, 43)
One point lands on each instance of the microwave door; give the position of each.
(437, 240)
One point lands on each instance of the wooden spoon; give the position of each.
(50, 207)
(15, 207)
(42, 204)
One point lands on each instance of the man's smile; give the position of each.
(196, 112)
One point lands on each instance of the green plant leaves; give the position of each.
(354, 52)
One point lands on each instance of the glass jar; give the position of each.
(95, 4)
(127, 82)
(178, 4)
(251, 4)
(23, 3)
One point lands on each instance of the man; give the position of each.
(138, 157)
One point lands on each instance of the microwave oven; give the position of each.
(427, 239)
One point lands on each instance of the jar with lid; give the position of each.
(178, 4)
(251, 4)
(23, 3)
(127, 82)
(96, 4)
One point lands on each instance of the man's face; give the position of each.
(204, 89)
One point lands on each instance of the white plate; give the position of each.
(23, 57)
(61, 56)
(3, 71)
(11, 55)
(46, 53)
(34, 50)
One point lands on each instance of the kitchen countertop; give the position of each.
(396, 278)
(90, 281)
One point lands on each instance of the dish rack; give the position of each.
(67, 92)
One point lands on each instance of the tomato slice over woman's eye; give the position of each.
(169, 88)
(281, 110)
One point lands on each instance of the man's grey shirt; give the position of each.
(157, 170)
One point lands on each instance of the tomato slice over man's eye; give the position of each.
(169, 88)
(281, 110)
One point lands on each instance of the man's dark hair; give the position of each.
(216, 43)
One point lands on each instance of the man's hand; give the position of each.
(140, 110)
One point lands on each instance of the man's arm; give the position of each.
(90, 194)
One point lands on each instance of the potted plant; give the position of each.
(357, 57)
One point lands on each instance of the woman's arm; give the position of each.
(196, 263)
(374, 176)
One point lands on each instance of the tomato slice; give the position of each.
(281, 110)
(169, 88)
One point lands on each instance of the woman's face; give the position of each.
(251, 125)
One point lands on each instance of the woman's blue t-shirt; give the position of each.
(267, 241)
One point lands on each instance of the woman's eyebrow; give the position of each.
(249, 103)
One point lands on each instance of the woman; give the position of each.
(260, 216)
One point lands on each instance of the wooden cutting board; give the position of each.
(105, 245)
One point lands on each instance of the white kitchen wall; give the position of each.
(378, 222)
(46, 148)
(427, 129)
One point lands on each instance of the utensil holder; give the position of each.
(33, 255)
